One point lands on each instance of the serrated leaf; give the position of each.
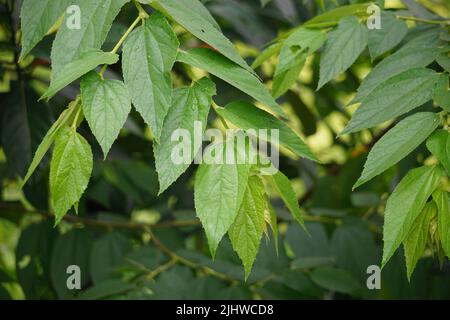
(106, 105)
(247, 229)
(189, 105)
(149, 53)
(218, 193)
(442, 200)
(77, 68)
(439, 145)
(194, 17)
(416, 241)
(246, 116)
(397, 143)
(441, 93)
(343, 47)
(96, 18)
(70, 170)
(390, 34)
(405, 204)
(37, 17)
(230, 72)
(273, 223)
(392, 98)
(284, 188)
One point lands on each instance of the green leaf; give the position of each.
(335, 280)
(194, 17)
(189, 105)
(273, 223)
(416, 241)
(441, 94)
(284, 80)
(405, 137)
(37, 17)
(390, 34)
(246, 116)
(230, 72)
(442, 200)
(394, 97)
(334, 15)
(106, 289)
(219, 191)
(77, 68)
(70, 170)
(284, 188)
(405, 59)
(149, 53)
(439, 145)
(106, 105)
(268, 52)
(444, 61)
(405, 205)
(247, 229)
(96, 18)
(343, 47)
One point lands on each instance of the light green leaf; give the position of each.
(343, 47)
(405, 59)
(444, 61)
(284, 80)
(247, 229)
(390, 34)
(219, 191)
(106, 105)
(284, 188)
(70, 170)
(442, 200)
(37, 17)
(272, 220)
(394, 97)
(77, 68)
(188, 106)
(268, 52)
(405, 204)
(439, 145)
(149, 53)
(246, 116)
(416, 241)
(334, 15)
(405, 137)
(230, 72)
(71, 42)
(441, 94)
(194, 17)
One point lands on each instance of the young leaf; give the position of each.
(149, 53)
(390, 34)
(406, 136)
(442, 200)
(441, 94)
(284, 188)
(416, 241)
(74, 38)
(268, 52)
(106, 105)
(37, 17)
(230, 72)
(70, 170)
(334, 15)
(343, 47)
(77, 68)
(246, 116)
(247, 229)
(392, 98)
(405, 204)
(219, 191)
(439, 145)
(188, 106)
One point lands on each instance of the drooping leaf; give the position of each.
(106, 105)
(246, 116)
(439, 145)
(343, 47)
(70, 170)
(149, 53)
(189, 105)
(73, 39)
(247, 229)
(392, 98)
(405, 205)
(77, 68)
(230, 72)
(406, 136)
(442, 200)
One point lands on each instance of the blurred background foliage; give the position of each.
(131, 244)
